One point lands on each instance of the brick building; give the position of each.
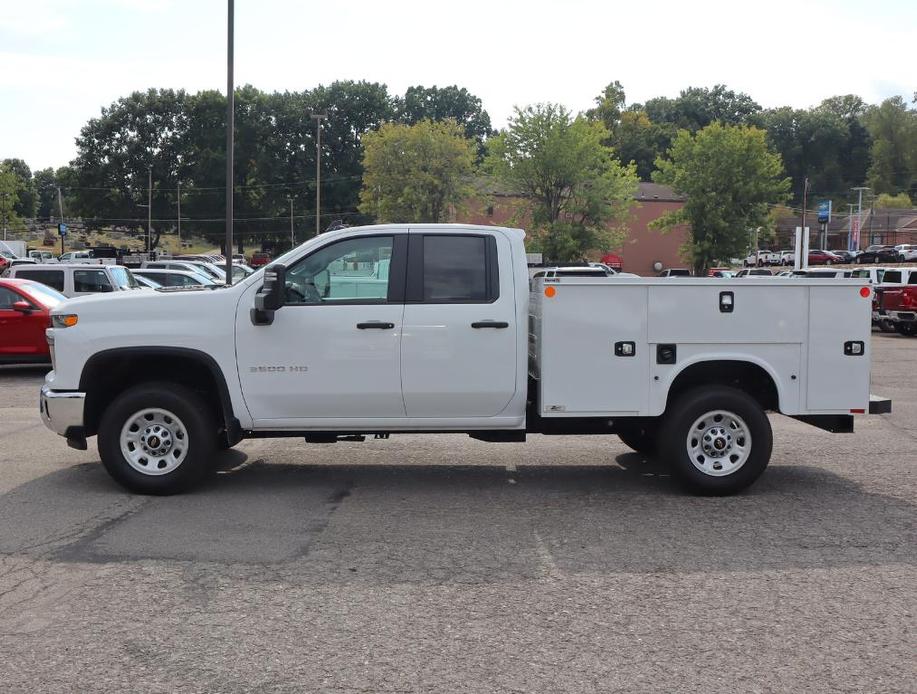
(643, 246)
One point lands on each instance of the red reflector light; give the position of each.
(858, 411)
(864, 292)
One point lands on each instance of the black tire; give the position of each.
(642, 438)
(193, 413)
(909, 329)
(679, 420)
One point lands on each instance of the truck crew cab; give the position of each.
(433, 328)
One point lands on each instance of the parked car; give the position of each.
(614, 261)
(754, 272)
(846, 257)
(720, 272)
(260, 258)
(879, 254)
(43, 256)
(762, 258)
(907, 252)
(675, 272)
(873, 275)
(184, 265)
(25, 314)
(787, 257)
(146, 282)
(75, 257)
(238, 258)
(175, 278)
(822, 274)
(78, 279)
(820, 257)
(13, 262)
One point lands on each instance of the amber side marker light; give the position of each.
(67, 320)
(550, 291)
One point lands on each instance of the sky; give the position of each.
(62, 61)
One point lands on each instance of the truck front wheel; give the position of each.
(157, 438)
(717, 439)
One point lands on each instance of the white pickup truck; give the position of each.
(432, 329)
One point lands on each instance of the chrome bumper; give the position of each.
(62, 412)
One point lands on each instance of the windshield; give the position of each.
(44, 295)
(123, 278)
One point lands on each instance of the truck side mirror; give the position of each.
(271, 296)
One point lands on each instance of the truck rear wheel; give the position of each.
(157, 438)
(717, 439)
(642, 438)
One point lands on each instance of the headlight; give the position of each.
(64, 320)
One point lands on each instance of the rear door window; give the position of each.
(51, 278)
(91, 281)
(459, 269)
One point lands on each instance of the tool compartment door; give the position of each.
(581, 375)
(836, 381)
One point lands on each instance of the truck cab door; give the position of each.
(459, 348)
(331, 354)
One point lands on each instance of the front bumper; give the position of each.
(62, 412)
(903, 316)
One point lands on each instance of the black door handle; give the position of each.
(375, 325)
(490, 324)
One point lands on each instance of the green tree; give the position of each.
(810, 143)
(416, 173)
(730, 180)
(25, 205)
(578, 194)
(10, 187)
(893, 127)
(900, 201)
(441, 103)
(697, 107)
(632, 135)
(45, 193)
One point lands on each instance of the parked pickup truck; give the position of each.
(432, 329)
(900, 307)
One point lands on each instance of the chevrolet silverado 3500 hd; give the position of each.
(419, 328)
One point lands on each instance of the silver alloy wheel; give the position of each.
(154, 441)
(719, 443)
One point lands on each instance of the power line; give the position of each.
(292, 184)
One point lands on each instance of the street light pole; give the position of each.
(60, 205)
(318, 170)
(230, 128)
(292, 240)
(859, 229)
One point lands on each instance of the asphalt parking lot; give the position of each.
(442, 564)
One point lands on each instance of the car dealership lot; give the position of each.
(439, 563)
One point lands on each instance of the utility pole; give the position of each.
(179, 217)
(292, 240)
(60, 205)
(318, 171)
(149, 212)
(230, 128)
(850, 227)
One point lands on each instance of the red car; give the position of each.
(260, 258)
(820, 257)
(25, 312)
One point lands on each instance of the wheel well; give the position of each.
(108, 374)
(742, 375)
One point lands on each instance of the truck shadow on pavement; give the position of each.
(406, 523)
